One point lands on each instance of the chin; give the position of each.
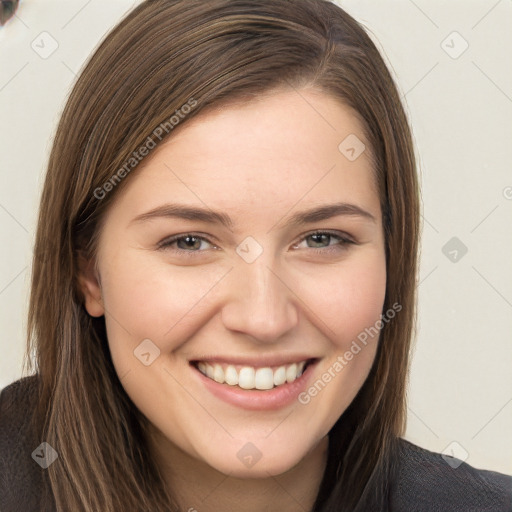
(250, 462)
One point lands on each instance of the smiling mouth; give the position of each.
(249, 377)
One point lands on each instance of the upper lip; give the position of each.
(259, 362)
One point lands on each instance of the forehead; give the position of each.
(261, 156)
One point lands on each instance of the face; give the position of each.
(249, 248)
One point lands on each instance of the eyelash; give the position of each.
(344, 241)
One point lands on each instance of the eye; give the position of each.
(322, 241)
(191, 243)
(187, 243)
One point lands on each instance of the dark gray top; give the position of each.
(426, 481)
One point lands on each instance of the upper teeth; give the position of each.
(249, 377)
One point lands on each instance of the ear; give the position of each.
(89, 282)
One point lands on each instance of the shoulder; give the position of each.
(429, 481)
(21, 485)
(24, 389)
(17, 401)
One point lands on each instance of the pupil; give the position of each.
(319, 236)
(190, 241)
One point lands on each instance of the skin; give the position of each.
(260, 162)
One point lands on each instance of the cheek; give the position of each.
(350, 308)
(153, 301)
(346, 298)
(360, 301)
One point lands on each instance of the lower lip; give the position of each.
(258, 400)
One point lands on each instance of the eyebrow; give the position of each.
(316, 214)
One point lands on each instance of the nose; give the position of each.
(260, 303)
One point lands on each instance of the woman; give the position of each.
(223, 290)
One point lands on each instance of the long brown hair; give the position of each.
(162, 56)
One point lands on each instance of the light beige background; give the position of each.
(460, 105)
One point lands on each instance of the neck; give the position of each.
(197, 487)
